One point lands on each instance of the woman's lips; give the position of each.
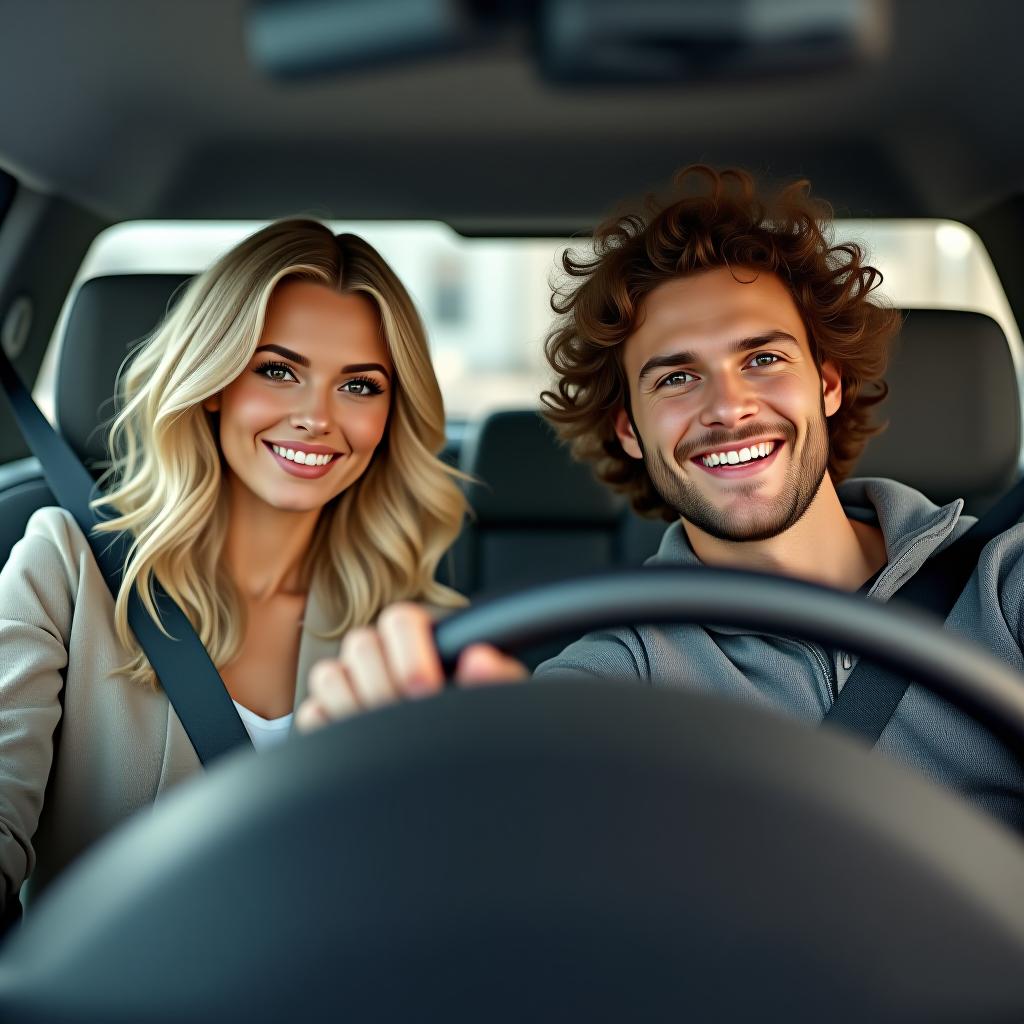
(741, 469)
(306, 472)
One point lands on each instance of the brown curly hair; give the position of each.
(725, 221)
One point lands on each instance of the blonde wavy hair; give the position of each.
(378, 542)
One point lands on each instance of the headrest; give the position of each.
(108, 316)
(528, 478)
(954, 410)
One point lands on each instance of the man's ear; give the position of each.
(212, 404)
(627, 435)
(831, 388)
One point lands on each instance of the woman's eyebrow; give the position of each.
(286, 352)
(685, 358)
(363, 367)
(303, 361)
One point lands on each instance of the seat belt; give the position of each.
(871, 693)
(182, 665)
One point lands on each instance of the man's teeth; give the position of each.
(302, 458)
(757, 451)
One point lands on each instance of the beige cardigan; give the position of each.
(119, 745)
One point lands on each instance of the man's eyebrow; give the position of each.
(303, 361)
(685, 358)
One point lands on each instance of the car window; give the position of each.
(485, 301)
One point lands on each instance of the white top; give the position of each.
(264, 732)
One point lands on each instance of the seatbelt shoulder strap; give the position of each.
(872, 693)
(184, 668)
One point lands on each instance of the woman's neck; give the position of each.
(265, 549)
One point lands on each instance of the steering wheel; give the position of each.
(567, 850)
(908, 642)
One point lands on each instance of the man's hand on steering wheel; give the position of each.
(395, 660)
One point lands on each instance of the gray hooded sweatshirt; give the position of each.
(801, 678)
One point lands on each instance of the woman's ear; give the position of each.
(212, 404)
(831, 388)
(627, 435)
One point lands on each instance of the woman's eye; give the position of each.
(361, 386)
(276, 371)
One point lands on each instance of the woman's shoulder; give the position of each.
(58, 526)
(49, 570)
(53, 546)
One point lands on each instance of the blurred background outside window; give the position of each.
(485, 302)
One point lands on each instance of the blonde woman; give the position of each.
(275, 462)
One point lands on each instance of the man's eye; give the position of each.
(764, 359)
(275, 371)
(677, 379)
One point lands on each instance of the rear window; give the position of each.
(485, 302)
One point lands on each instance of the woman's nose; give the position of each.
(313, 415)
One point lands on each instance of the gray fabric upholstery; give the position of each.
(954, 409)
(526, 477)
(539, 515)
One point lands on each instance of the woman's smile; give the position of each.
(302, 462)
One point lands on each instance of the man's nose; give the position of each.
(729, 401)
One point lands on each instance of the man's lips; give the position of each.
(741, 469)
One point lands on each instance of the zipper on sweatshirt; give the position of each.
(831, 685)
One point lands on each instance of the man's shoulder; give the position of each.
(674, 548)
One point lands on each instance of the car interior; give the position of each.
(530, 119)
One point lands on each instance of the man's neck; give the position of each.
(824, 547)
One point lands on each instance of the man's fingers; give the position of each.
(482, 663)
(407, 635)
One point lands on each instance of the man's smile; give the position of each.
(739, 460)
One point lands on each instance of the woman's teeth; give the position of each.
(302, 458)
(733, 458)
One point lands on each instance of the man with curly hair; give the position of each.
(718, 359)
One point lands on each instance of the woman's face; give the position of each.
(300, 424)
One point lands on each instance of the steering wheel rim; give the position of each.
(899, 637)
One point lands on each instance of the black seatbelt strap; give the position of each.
(188, 676)
(871, 693)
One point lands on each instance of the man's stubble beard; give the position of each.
(764, 520)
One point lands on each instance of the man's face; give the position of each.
(722, 367)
